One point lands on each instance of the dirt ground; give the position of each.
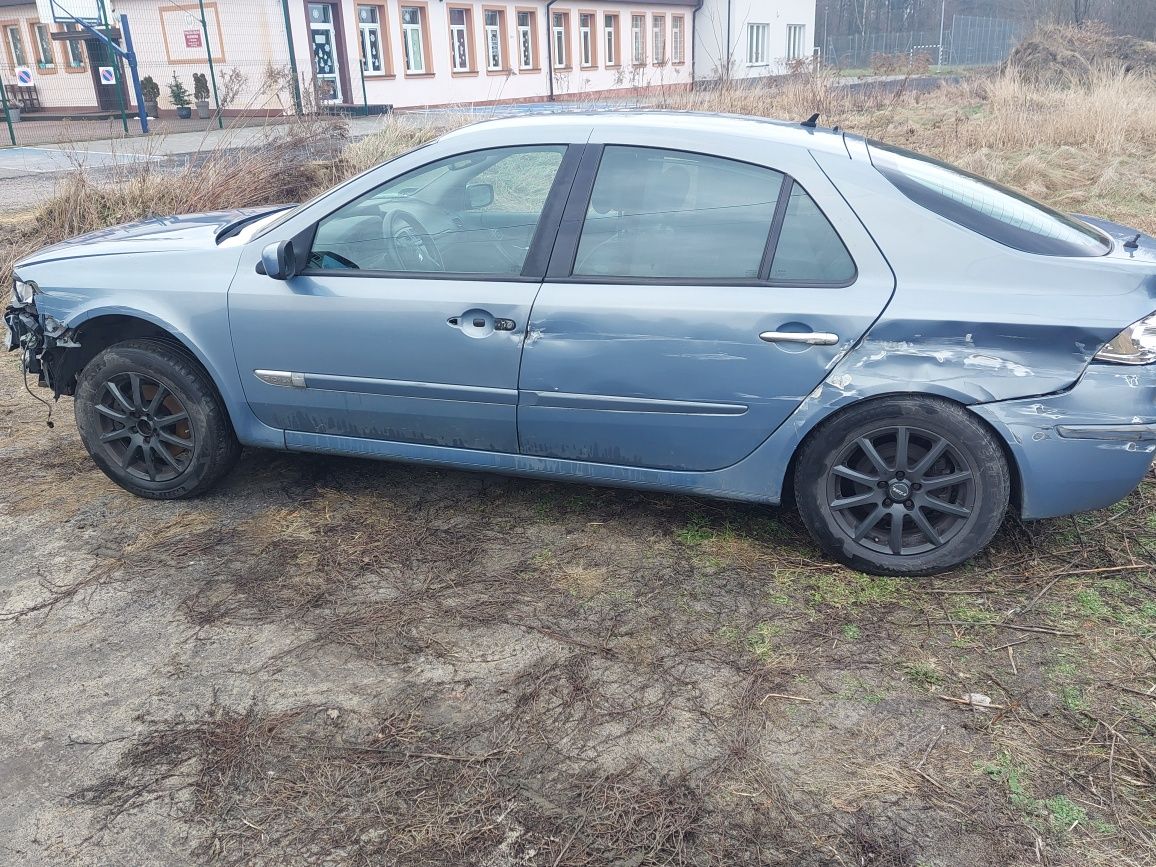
(347, 662)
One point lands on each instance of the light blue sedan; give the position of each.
(698, 304)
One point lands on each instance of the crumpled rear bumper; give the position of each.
(1085, 448)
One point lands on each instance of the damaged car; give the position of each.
(717, 306)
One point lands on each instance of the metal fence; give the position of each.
(967, 40)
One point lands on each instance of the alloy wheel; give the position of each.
(901, 490)
(144, 427)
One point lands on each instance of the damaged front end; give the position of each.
(42, 340)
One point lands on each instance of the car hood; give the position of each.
(159, 234)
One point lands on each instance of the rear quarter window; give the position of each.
(985, 207)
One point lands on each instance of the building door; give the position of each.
(107, 99)
(323, 44)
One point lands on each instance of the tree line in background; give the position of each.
(850, 17)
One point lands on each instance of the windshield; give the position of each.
(986, 207)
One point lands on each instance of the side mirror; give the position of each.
(278, 261)
(480, 195)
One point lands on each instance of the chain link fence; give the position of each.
(967, 40)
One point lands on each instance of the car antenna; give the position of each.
(1133, 244)
(812, 121)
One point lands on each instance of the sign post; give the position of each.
(212, 68)
(7, 116)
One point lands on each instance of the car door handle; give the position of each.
(811, 338)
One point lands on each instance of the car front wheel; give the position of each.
(152, 421)
(902, 486)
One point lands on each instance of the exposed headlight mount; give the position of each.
(1136, 344)
(23, 291)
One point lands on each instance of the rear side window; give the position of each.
(986, 207)
(809, 250)
(670, 214)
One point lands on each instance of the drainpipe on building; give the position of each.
(694, 38)
(550, 51)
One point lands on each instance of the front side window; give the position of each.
(670, 214)
(610, 27)
(561, 38)
(413, 39)
(460, 41)
(986, 207)
(676, 39)
(586, 38)
(637, 39)
(809, 250)
(474, 213)
(527, 51)
(758, 38)
(658, 37)
(372, 53)
(494, 40)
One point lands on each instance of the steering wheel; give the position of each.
(413, 246)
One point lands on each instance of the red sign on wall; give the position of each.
(193, 39)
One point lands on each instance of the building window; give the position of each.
(561, 39)
(758, 36)
(676, 38)
(495, 41)
(658, 37)
(586, 38)
(413, 38)
(43, 43)
(527, 47)
(796, 33)
(74, 52)
(16, 46)
(461, 51)
(610, 28)
(637, 39)
(372, 49)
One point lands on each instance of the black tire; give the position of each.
(152, 420)
(945, 464)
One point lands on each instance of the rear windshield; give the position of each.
(986, 207)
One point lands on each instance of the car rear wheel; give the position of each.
(152, 421)
(902, 486)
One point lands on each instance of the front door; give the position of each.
(408, 323)
(107, 96)
(323, 44)
(692, 307)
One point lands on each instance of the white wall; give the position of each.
(711, 58)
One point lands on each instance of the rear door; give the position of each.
(693, 301)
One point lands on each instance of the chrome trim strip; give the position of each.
(407, 388)
(612, 403)
(282, 378)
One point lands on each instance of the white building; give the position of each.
(752, 38)
(404, 53)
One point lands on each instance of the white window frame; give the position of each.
(658, 38)
(16, 45)
(638, 39)
(414, 65)
(460, 38)
(586, 38)
(758, 44)
(677, 23)
(526, 40)
(610, 28)
(796, 38)
(560, 38)
(42, 43)
(74, 54)
(493, 33)
(365, 30)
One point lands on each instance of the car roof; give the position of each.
(674, 122)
